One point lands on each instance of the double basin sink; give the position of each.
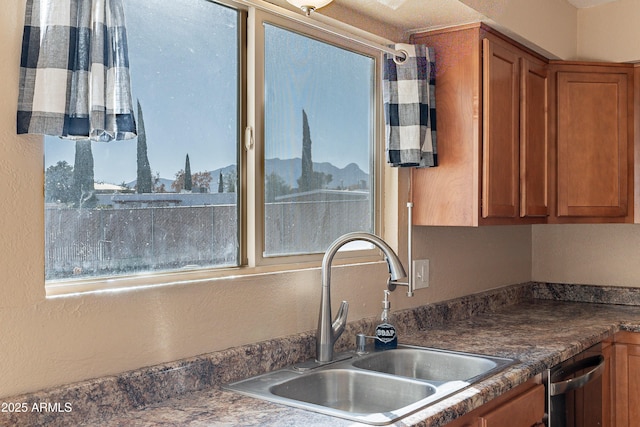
(374, 388)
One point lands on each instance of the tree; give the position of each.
(188, 182)
(178, 184)
(82, 189)
(306, 178)
(58, 183)
(220, 183)
(316, 181)
(158, 186)
(310, 180)
(275, 186)
(230, 181)
(202, 180)
(144, 183)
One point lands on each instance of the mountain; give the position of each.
(167, 183)
(290, 170)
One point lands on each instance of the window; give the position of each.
(318, 142)
(174, 197)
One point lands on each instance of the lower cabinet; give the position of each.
(627, 379)
(521, 407)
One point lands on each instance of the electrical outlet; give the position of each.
(421, 273)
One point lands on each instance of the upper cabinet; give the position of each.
(491, 100)
(514, 141)
(522, 140)
(594, 142)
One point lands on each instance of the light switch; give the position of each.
(421, 273)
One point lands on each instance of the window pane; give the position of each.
(319, 138)
(174, 204)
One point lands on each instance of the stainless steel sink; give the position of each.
(375, 388)
(354, 391)
(430, 364)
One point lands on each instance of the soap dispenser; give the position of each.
(386, 337)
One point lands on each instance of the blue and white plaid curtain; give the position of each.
(409, 97)
(74, 71)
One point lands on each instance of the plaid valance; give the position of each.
(74, 71)
(408, 92)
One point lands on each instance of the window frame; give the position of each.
(251, 169)
(256, 121)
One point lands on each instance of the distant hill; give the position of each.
(290, 170)
(167, 183)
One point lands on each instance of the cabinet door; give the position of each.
(592, 143)
(500, 143)
(533, 138)
(522, 406)
(627, 379)
(526, 410)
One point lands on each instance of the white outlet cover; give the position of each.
(420, 273)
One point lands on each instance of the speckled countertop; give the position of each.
(538, 324)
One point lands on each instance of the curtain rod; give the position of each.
(329, 25)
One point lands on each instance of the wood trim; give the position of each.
(590, 64)
(625, 337)
(534, 142)
(634, 157)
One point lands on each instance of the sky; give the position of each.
(184, 67)
(332, 85)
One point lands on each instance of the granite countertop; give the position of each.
(539, 334)
(539, 324)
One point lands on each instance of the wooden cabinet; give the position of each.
(525, 140)
(626, 406)
(514, 153)
(593, 113)
(524, 410)
(491, 98)
(521, 407)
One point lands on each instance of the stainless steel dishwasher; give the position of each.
(575, 391)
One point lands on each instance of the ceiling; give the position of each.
(409, 15)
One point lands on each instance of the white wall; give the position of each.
(548, 26)
(587, 254)
(610, 32)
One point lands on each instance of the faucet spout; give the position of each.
(328, 331)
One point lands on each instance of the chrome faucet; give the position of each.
(328, 332)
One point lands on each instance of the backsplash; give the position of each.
(586, 293)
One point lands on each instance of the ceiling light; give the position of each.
(309, 6)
